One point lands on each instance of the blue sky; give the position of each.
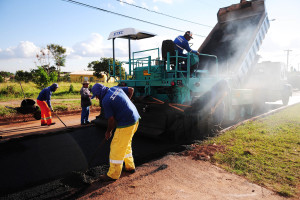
(29, 25)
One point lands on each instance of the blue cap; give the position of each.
(99, 91)
(53, 86)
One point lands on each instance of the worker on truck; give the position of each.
(44, 102)
(182, 43)
(122, 115)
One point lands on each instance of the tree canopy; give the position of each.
(102, 66)
(52, 53)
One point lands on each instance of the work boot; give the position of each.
(51, 124)
(131, 171)
(43, 124)
(105, 178)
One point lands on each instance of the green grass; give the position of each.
(265, 151)
(13, 91)
(6, 112)
(70, 105)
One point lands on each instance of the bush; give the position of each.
(71, 89)
(9, 90)
(42, 79)
(1, 79)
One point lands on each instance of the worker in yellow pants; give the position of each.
(120, 150)
(122, 115)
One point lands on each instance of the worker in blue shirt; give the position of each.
(182, 43)
(122, 115)
(44, 102)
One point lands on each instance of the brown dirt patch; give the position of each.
(204, 152)
(179, 177)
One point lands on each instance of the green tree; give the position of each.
(102, 66)
(59, 55)
(4, 75)
(23, 76)
(42, 79)
(54, 54)
(43, 58)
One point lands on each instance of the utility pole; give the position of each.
(287, 58)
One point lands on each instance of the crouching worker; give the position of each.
(122, 115)
(85, 103)
(44, 102)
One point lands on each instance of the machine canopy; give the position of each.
(130, 33)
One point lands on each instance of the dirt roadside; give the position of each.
(179, 177)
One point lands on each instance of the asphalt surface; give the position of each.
(48, 162)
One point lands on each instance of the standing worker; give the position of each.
(85, 103)
(122, 115)
(44, 102)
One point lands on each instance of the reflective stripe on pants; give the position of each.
(45, 112)
(120, 151)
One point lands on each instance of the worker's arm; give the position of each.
(48, 99)
(111, 126)
(130, 92)
(187, 47)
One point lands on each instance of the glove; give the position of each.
(51, 109)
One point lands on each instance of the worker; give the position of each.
(122, 115)
(85, 103)
(44, 102)
(182, 43)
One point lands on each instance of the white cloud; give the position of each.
(92, 47)
(164, 1)
(25, 49)
(155, 8)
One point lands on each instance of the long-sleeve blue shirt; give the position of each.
(182, 44)
(45, 94)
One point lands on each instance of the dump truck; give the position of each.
(178, 104)
(269, 81)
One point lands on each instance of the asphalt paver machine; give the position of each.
(178, 104)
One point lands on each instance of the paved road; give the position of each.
(293, 99)
(34, 127)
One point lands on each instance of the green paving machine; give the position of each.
(178, 104)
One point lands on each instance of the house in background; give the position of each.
(80, 76)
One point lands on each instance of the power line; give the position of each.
(93, 7)
(122, 1)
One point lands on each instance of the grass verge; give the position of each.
(265, 151)
(12, 91)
